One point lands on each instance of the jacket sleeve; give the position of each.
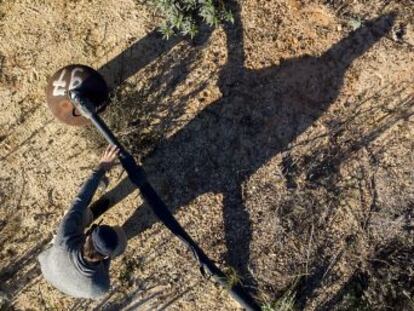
(78, 216)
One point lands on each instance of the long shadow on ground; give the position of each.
(259, 114)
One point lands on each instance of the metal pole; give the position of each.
(137, 175)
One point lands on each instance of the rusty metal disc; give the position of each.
(87, 80)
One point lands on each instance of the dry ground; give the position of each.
(283, 144)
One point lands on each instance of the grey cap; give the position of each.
(105, 240)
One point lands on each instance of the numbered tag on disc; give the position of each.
(81, 77)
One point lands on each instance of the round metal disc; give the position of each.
(81, 77)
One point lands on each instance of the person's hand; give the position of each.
(108, 157)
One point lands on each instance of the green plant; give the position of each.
(185, 16)
(286, 302)
(233, 278)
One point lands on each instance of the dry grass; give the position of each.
(310, 203)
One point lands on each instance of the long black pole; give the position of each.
(137, 175)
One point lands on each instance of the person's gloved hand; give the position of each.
(108, 157)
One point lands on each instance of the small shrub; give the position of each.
(233, 278)
(286, 302)
(185, 16)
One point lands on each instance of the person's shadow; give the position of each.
(259, 114)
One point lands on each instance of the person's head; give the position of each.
(102, 242)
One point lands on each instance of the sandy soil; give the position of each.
(283, 144)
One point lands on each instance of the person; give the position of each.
(77, 263)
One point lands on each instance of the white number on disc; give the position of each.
(59, 85)
(74, 80)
